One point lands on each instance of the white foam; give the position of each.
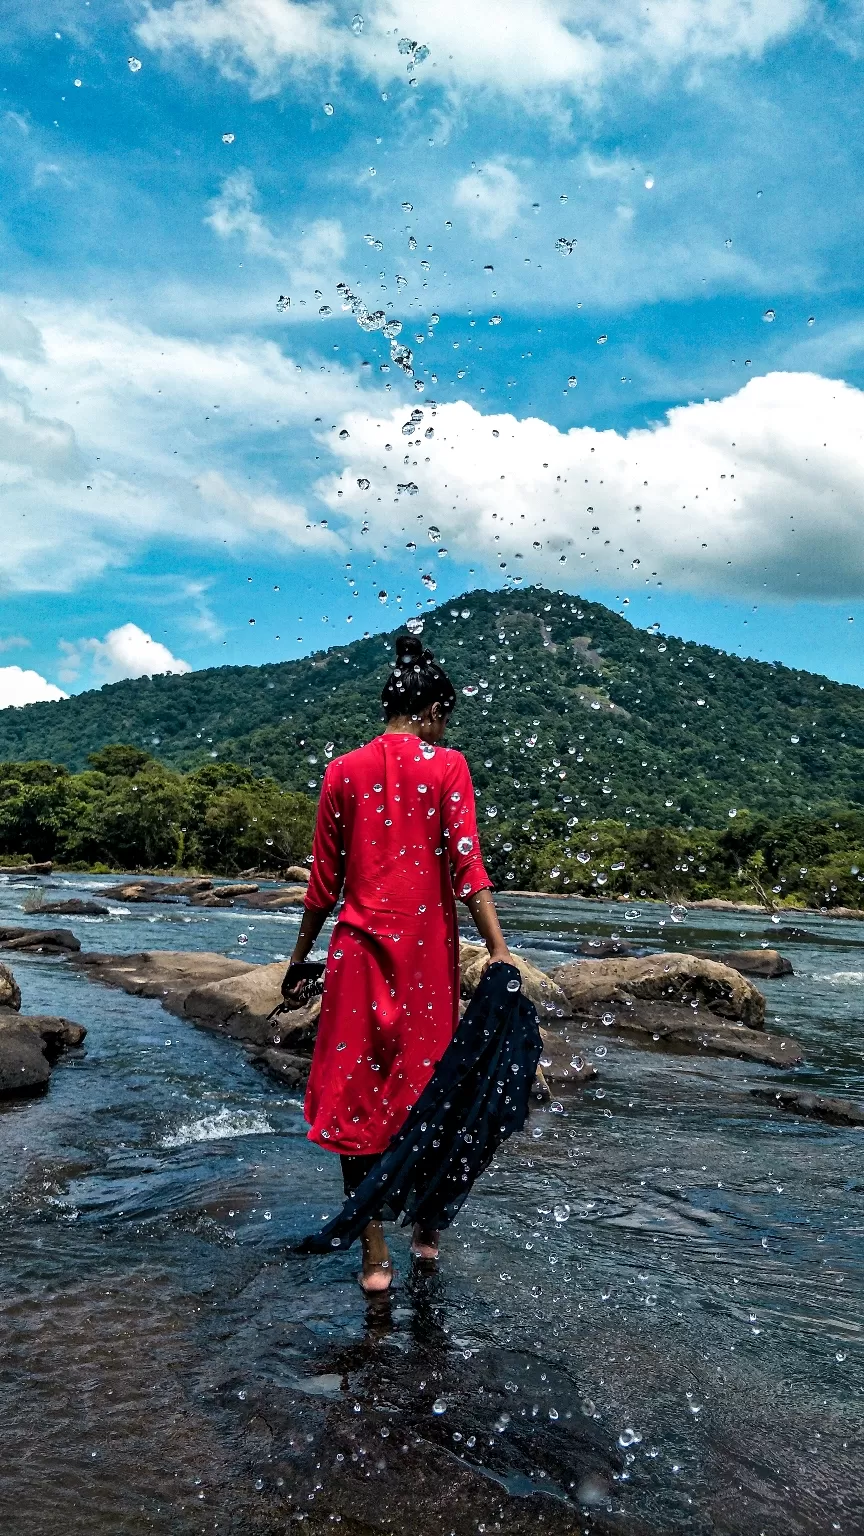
(224, 1124)
(842, 978)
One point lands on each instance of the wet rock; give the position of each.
(768, 963)
(221, 895)
(29, 1046)
(10, 992)
(156, 890)
(167, 974)
(818, 1106)
(41, 941)
(68, 906)
(602, 949)
(674, 979)
(561, 1061)
(26, 869)
(271, 901)
(241, 1006)
(289, 1069)
(691, 1029)
(297, 872)
(547, 997)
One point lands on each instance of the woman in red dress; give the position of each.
(396, 837)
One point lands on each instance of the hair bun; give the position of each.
(410, 648)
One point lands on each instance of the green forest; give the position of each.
(563, 706)
(127, 811)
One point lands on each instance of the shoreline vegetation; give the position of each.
(128, 812)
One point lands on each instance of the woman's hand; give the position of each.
(482, 909)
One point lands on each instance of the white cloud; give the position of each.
(568, 47)
(134, 439)
(760, 493)
(309, 256)
(492, 198)
(19, 686)
(125, 652)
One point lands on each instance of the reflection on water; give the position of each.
(648, 1318)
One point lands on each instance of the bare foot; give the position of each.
(377, 1273)
(424, 1243)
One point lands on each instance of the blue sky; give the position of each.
(622, 244)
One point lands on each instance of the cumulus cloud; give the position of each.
(22, 686)
(759, 493)
(568, 47)
(112, 436)
(125, 652)
(309, 257)
(492, 198)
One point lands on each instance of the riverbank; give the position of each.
(648, 1307)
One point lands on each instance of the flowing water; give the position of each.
(647, 1318)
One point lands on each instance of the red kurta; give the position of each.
(396, 825)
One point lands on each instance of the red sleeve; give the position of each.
(328, 854)
(460, 829)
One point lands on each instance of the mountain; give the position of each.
(561, 704)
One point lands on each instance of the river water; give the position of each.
(647, 1319)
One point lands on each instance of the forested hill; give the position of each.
(560, 702)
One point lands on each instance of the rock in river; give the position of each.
(768, 963)
(29, 1043)
(156, 890)
(42, 941)
(546, 995)
(68, 906)
(676, 979)
(819, 1106)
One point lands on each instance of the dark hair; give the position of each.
(416, 681)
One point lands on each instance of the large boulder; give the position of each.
(29, 1045)
(548, 998)
(10, 992)
(241, 1006)
(767, 963)
(297, 873)
(41, 941)
(588, 985)
(167, 974)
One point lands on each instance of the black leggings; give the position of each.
(354, 1170)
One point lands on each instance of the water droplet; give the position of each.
(768, 316)
(649, 182)
(134, 65)
(465, 844)
(513, 984)
(561, 1212)
(794, 740)
(572, 382)
(328, 108)
(601, 1051)
(227, 138)
(733, 812)
(382, 596)
(629, 1437)
(677, 913)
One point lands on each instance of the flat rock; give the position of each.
(156, 890)
(271, 901)
(673, 979)
(168, 974)
(42, 941)
(29, 1045)
(767, 963)
(548, 998)
(26, 869)
(690, 1029)
(68, 906)
(818, 1106)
